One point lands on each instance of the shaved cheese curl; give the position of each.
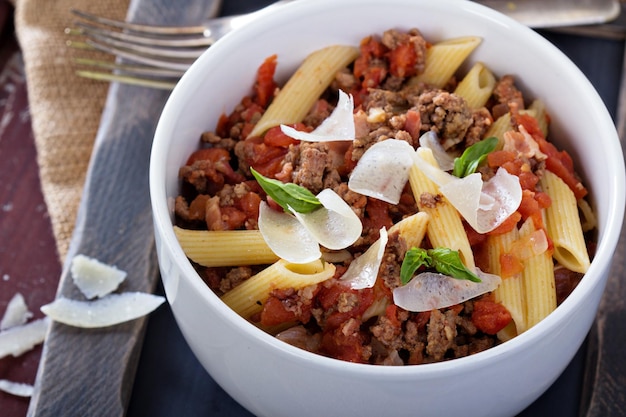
(484, 205)
(16, 388)
(430, 290)
(95, 278)
(431, 141)
(16, 314)
(338, 126)
(102, 312)
(286, 236)
(363, 271)
(383, 170)
(20, 339)
(335, 226)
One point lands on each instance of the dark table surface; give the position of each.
(170, 381)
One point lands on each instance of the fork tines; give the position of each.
(159, 55)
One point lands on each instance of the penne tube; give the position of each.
(563, 224)
(412, 229)
(538, 279)
(498, 128)
(225, 248)
(477, 86)
(305, 86)
(445, 228)
(588, 217)
(248, 297)
(511, 291)
(444, 58)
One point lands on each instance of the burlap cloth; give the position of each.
(65, 109)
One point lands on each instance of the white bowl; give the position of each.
(271, 378)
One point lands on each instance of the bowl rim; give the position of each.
(606, 245)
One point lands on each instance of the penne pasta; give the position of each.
(444, 58)
(305, 86)
(412, 229)
(445, 228)
(248, 297)
(511, 292)
(498, 128)
(477, 86)
(563, 224)
(588, 217)
(225, 248)
(538, 279)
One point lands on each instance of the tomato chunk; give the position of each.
(490, 317)
(265, 84)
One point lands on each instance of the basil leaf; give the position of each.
(413, 260)
(448, 261)
(288, 195)
(473, 156)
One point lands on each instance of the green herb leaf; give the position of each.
(444, 260)
(473, 156)
(288, 195)
(448, 261)
(413, 260)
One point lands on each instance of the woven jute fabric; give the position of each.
(65, 108)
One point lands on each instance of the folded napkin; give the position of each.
(65, 109)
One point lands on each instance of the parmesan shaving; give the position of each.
(107, 311)
(484, 205)
(338, 126)
(16, 314)
(94, 278)
(20, 339)
(16, 388)
(286, 236)
(430, 141)
(430, 290)
(297, 238)
(363, 271)
(335, 225)
(383, 170)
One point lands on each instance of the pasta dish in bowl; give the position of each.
(400, 192)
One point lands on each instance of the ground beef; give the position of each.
(345, 81)
(235, 277)
(389, 270)
(429, 200)
(311, 166)
(203, 176)
(388, 334)
(481, 121)
(506, 94)
(218, 142)
(441, 334)
(445, 114)
(191, 215)
(363, 143)
(390, 101)
(355, 200)
(318, 113)
(414, 42)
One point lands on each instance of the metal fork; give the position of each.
(152, 56)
